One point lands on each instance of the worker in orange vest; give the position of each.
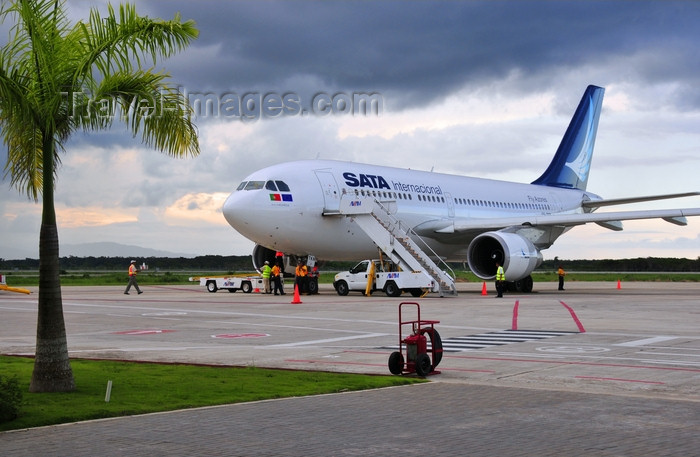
(277, 280)
(301, 279)
(561, 273)
(132, 278)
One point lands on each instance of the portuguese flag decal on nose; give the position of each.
(281, 197)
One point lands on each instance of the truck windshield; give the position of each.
(360, 267)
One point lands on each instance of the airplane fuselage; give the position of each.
(304, 219)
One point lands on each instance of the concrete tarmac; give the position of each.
(593, 370)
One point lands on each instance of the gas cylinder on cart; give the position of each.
(415, 344)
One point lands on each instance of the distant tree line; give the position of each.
(640, 264)
(243, 263)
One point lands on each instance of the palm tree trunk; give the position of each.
(52, 370)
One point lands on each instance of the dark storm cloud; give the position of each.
(423, 51)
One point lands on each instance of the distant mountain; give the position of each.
(105, 249)
(109, 249)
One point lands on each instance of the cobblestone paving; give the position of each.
(435, 419)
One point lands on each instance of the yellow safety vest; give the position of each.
(500, 275)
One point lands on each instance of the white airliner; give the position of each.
(294, 207)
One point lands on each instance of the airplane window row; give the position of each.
(458, 201)
(275, 186)
(505, 205)
(381, 194)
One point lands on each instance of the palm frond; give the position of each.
(114, 43)
(149, 107)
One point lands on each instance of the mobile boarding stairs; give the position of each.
(394, 239)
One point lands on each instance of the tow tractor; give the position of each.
(419, 358)
(246, 284)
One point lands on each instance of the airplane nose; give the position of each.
(235, 209)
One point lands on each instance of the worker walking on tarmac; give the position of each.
(561, 274)
(132, 278)
(500, 280)
(277, 280)
(300, 280)
(266, 270)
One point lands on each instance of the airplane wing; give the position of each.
(624, 201)
(610, 220)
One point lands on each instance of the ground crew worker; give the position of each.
(266, 276)
(300, 280)
(277, 280)
(132, 278)
(279, 260)
(561, 274)
(500, 280)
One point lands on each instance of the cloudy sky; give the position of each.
(482, 88)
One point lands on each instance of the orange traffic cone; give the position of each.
(483, 289)
(257, 290)
(297, 299)
(619, 286)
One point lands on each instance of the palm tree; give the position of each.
(56, 79)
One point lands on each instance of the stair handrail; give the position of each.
(395, 220)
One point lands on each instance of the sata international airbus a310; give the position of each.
(310, 207)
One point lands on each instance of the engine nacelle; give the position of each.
(518, 256)
(260, 255)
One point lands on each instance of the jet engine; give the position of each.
(518, 256)
(260, 255)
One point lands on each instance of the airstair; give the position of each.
(394, 238)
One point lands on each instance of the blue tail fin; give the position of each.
(572, 162)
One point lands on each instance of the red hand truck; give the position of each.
(419, 358)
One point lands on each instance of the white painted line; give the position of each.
(329, 340)
(646, 341)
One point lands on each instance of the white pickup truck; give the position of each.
(383, 275)
(230, 283)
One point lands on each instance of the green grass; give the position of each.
(139, 388)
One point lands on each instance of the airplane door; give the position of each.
(450, 205)
(331, 195)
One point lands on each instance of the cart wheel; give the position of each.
(313, 286)
(423, 364)
(247, 287)
(211, 286)
(436, 344)
(396, 363)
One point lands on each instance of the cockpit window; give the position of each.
(241, 186)
(270, 185)
(254, 185)
(282, 186)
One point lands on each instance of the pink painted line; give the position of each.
(515, 315)
(619, 379)
(573, 315)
